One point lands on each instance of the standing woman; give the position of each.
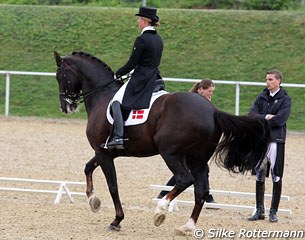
(204, 88)
(144, 60)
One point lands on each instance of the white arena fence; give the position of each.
(62, 187)
(174, 205)
(237, 84)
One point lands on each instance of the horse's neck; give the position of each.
(97, 85)
(100, 98)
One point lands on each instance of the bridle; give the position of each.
(72, 97)
(69, 97)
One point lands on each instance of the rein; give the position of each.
(82, 96)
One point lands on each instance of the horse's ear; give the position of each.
(57, 58)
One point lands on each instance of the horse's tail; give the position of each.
(244, 141)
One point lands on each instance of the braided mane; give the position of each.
(80, 53)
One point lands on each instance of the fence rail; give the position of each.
(175, 203)
(62, 187)
(237, 84)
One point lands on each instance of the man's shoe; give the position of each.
(258, 215)
(210, 199)
(273, 217)
(116, 143)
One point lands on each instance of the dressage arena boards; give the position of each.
(58, 150)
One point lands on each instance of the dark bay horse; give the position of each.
(184, 128)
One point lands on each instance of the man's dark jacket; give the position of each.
(145, 60)
(280, 106)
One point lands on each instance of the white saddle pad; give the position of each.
(136, 116)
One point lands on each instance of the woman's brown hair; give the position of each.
(204, 83)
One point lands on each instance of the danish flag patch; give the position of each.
(137, 114)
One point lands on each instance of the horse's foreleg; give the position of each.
(108, 168)
(201, 192)
(94, 202)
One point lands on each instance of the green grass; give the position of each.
(228, 45)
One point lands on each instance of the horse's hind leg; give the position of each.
(201, 191)
(183, 180)
(94, 202)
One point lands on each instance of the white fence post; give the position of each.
(237, 93)
(7, 94)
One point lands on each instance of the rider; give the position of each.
(145, 59)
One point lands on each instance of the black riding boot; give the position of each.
(118, 127)
(260, 209)
(276, 197)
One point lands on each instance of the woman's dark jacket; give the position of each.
(145, 60)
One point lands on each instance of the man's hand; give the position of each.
(269, 116)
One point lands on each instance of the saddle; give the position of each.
(135, 117)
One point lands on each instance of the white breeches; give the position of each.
(271, 158)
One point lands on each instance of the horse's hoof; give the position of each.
(159, 219)
(112, 228)
(183, 231)
(95, 204)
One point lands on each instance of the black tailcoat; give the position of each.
(145, 60)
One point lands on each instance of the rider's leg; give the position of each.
(118, 127)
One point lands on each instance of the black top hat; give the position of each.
(148, 12)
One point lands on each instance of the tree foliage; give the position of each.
(195, 4)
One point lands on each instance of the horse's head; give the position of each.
(69, 85)
(80, 75)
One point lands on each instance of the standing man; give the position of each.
(272, 104)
